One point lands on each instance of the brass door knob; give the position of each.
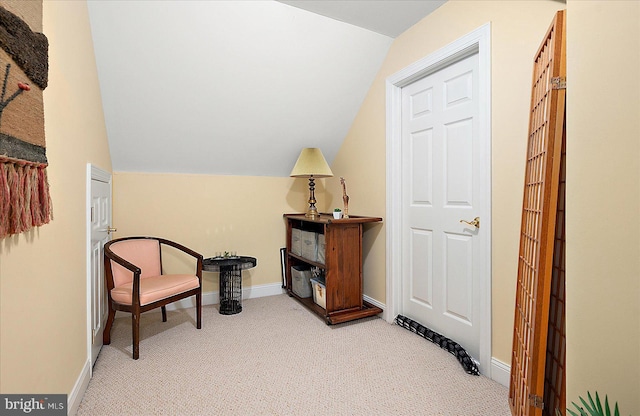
(111, 230)
(475, 222)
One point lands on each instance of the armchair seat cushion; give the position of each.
(154, 288)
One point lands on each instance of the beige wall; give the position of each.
(517, 28)
(212, 213)
(603, 201)
(43, 272)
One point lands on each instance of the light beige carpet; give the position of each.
(277, 358)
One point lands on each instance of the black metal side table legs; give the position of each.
(230, 290)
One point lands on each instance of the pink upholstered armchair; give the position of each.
(136, 283)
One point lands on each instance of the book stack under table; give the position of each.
(324, 247)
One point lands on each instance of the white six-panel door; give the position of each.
(440, 187)
(99, 219)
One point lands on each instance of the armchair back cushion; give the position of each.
(144, 253)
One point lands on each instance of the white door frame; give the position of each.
(478, 41)
(93, 173)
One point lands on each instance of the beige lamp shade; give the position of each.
(311, 163)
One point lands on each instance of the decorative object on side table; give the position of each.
(337, 213)
(345, 197)
(225, 255)
(311, 164)
(230, 284)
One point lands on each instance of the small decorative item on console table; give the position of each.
(339, 259)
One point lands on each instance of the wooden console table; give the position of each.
(341, 263)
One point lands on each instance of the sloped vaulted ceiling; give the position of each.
(227, 87)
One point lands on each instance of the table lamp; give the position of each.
(311, 164)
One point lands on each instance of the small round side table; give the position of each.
(230, 269)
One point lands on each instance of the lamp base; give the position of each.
(312, 213)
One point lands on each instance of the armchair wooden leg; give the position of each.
(198, 310)
(106, 334)
(135, 325)
(164, 313)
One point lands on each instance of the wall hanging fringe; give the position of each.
(24, 196)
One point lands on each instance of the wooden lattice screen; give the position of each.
(537, 236)
(555, 368)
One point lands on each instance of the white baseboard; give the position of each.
(213, 298)
(500, 372)
(74, 399)
(260, 291)
(376, 303)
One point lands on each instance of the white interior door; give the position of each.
(441, 186)
(99, 218)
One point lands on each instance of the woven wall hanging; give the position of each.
(24, 190)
